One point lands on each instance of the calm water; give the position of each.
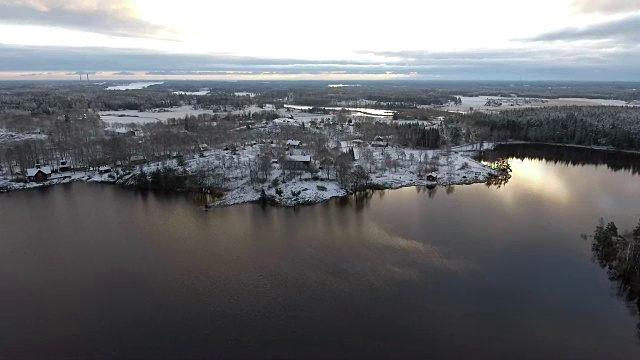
(93, 271)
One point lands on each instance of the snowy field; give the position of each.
(479, 103)
(155, 115)
(244, 93)
(202, 92)
(357, 111)
(134, 86)
(7, 136)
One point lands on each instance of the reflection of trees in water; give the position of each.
(360, 199)
(498, 181)
(619, 255)
(614, 160)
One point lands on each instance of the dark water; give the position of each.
(92, 271)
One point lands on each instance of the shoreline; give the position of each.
(310, 190)
(283, 188)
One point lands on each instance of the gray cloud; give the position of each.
(624, 29)
(110, 17)
(607, 6)
(123, 73)
(551, 63)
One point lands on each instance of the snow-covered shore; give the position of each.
(461, 169)
(304, 188)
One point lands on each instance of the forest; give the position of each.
(604, 126)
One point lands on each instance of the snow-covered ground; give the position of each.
(9, 136)
(389, 168)
(6, 183)
(480, 103)
(134, 86)
(357, 111)
(308, 188)
(155, 115)
(244, 93)
(195, 93)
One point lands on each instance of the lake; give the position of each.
(95, 271)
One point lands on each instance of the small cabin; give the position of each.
(104, 169)
(203, 147)
(299, 162)
(137, 159)
(432, 177)
(64, 166)
(293, 143)
(39, 173)
(379, 141)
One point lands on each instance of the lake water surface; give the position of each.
(475, 272)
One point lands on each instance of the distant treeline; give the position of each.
(608, 126)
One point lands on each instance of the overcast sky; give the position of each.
(332, 39)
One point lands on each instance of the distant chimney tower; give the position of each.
(87, 77)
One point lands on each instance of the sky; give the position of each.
(577, 40)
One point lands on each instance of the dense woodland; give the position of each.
(607, 126)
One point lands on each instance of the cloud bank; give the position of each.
(626, 29)
(607, 6)
(613, 64)
(109, 17)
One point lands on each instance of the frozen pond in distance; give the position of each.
(134, 86)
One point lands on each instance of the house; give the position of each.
(293, 143)
(379, 141)
(203, 147)
(298, 162)
(432, 177)
(357, 142)
(39, 173)
(104, 169)
(269, 107)
(137, 159)
(64, 166)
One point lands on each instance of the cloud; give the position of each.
(540, 62)
(123, 73)
(607, 6)
(624, 29)
(109, 17)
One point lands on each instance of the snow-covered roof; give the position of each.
(103, 168)
(33, 171)
(293, 142)
(435, 175)
(299, 158)
(379, 143)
